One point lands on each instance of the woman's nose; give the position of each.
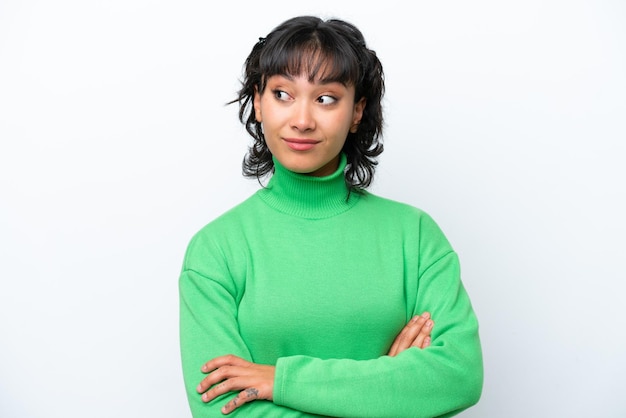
(302, 118)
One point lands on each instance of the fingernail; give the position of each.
(415, 318)
(426, 315)
(429, 324)
(199, 388)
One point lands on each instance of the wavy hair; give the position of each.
(330, 50)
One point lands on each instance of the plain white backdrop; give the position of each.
(505, 121)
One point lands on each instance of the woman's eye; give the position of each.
(326, 100)
(281, 95)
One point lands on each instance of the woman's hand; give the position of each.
(414, 334)
(231, 373)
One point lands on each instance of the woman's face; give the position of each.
(306, 123)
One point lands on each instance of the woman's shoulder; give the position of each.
(404, 213)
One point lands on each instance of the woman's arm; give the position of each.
(441, 380)
(254, 381)
(209, 329)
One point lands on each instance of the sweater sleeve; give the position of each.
(441, 380)
(208, 328)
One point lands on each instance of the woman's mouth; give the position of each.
(299, 144)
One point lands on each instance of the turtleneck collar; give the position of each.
(308, 196)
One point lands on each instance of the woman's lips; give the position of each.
(300, 144)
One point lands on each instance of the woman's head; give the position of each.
(320, 52)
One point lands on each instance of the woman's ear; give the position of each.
(358, 114)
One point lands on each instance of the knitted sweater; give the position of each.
(317, 283)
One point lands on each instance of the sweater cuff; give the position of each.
(279, 379)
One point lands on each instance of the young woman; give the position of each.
(314, 296)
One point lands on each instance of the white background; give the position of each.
(505, 121)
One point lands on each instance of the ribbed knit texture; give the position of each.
(302, 277)
(307, 196)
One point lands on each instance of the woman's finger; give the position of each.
(413, 333)
(245, 396)
(423, 335)
(218, 362)
(219, 369)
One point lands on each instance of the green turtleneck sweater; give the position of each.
(318, 282)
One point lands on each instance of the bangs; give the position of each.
(318, 58)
